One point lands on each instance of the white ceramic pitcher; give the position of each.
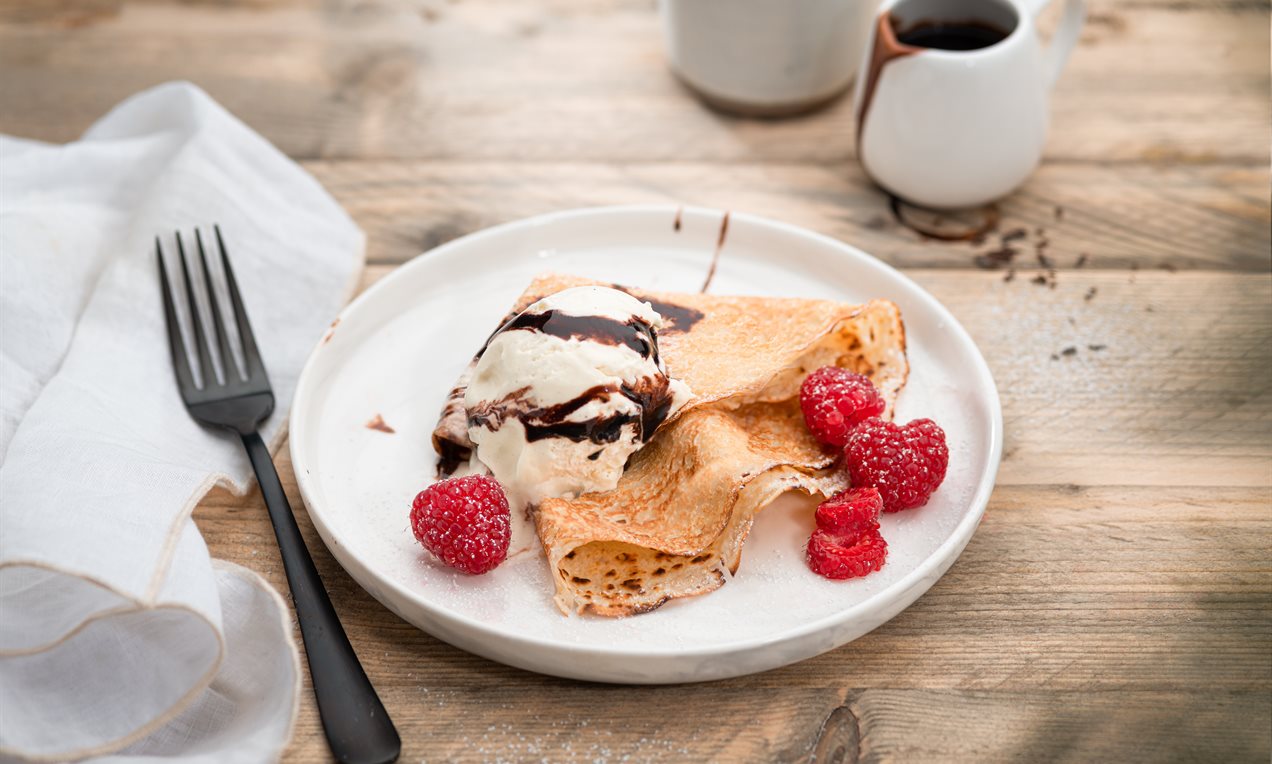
(957, 128)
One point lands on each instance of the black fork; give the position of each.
(357, 726)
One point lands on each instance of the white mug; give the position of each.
(947, 128)
(766, 57)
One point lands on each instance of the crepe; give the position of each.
(677, 520)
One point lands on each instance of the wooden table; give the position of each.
(1116, 603)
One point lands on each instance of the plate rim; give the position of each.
(938, 562)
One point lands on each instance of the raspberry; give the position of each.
(464, 521)
(840, 557)
(847, 542)
(834, 401)
(853, 511)
(906, 463)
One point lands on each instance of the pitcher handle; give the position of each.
(1064, 39)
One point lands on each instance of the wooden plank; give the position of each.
(900, 725)
(589, 723)
(876, 726)
(583, 81)
(1063, 599)
(1180, 216)
(1158, 378)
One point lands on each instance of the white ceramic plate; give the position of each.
(399, 347)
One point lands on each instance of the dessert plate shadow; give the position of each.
(396, 350)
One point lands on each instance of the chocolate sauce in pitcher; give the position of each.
(950, 35)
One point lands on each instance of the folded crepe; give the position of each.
(678, 517)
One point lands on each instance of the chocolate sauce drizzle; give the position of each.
(652, 396)
(676, 318)
(450, 455)
(634, 333)
(715, 256)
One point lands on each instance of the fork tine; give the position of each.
(196, 321)
(180, 362)
(228, 364)
(254, 367)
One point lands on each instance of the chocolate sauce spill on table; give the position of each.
(989, 222)
(715, 256)
(675, 225)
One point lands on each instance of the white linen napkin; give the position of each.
(119, 635)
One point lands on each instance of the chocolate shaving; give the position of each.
(377, 423)
(994, 259)
(331, 331)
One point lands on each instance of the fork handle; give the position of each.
(358, 729)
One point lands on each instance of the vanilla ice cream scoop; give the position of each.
(567, 390)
